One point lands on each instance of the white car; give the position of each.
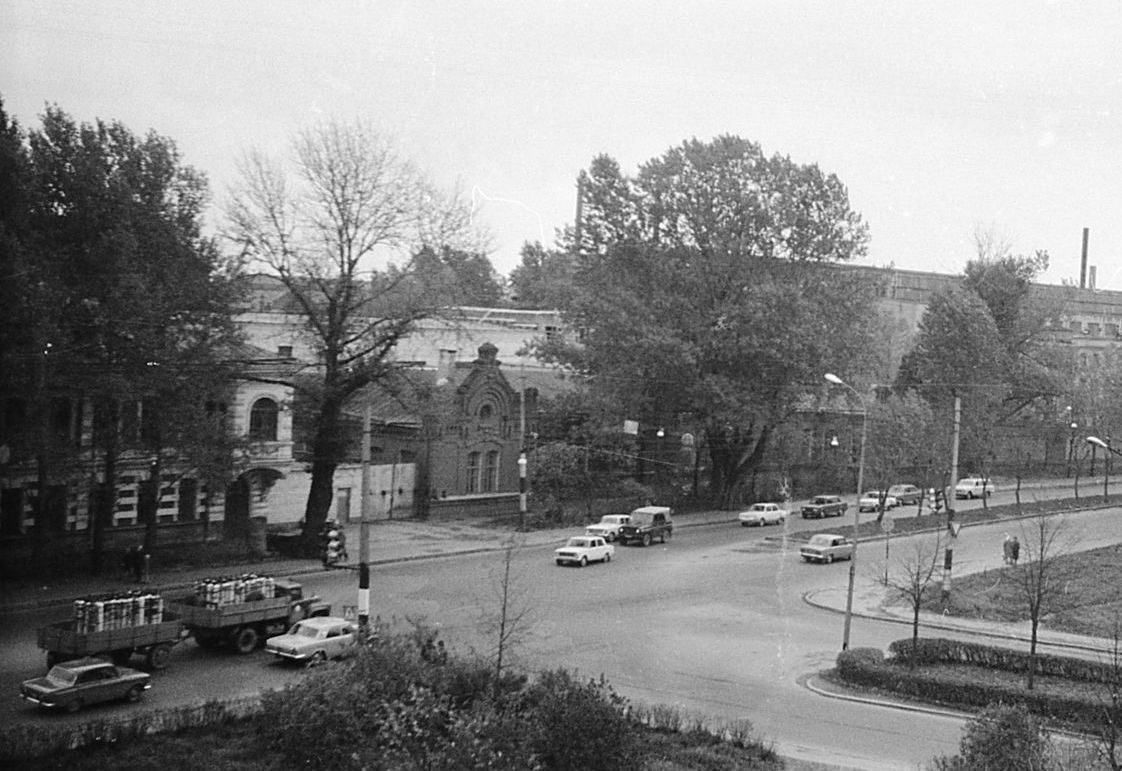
(582, 549)
(973, 487)
(608, 526)
(762, 514)
(870, 501)
(314, 640)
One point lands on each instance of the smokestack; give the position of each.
(1083, 264)
(1091, 278)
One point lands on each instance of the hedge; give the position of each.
(938, 650)
(867, 667)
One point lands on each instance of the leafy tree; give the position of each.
(133, 302)
(459, 277)
(322, 228)
(903, 433)
(958, 352)
(700, 291)
(544, 278)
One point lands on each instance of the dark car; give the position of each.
(907, 495)
(72, 685)
(824, 506)
(647, 524)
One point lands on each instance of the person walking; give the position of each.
(1007, 550)
(1014, 550)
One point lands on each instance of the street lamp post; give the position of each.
(832, 378)
(1094, 441)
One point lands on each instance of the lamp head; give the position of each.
(1098, 442)
(831, 377)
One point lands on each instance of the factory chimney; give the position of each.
(1083, 264)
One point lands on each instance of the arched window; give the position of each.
(263, 421)
(473, 471)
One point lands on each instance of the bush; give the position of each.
(1002, 737)
(574, 726)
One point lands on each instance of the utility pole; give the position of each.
(522, 461)
(952, 526)
(364, 528)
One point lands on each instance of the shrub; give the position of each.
(574, 726)
(1002, 737)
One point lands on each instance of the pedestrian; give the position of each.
(1007, 549)
(1015, 550)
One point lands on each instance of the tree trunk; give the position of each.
(1032, 654)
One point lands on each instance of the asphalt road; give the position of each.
(713, 623)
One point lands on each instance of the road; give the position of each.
(713, 623)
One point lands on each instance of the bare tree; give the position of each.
(1038, 576)
(1106, 739)
(913, 573)
(510, 623)
(326, 230)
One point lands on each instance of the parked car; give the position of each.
(72, 685)
(582, 549)
(763, 514)
(648, 523)
(973, 487)
(827, 547)
(824, 506)
(906, 495)
(608, 526)
(314, 640)
(870, 501)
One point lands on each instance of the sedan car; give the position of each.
(314, 640)
(870, 501)
(608, 526)
(72, 685)
(906, 495)
(763, 514)
(582, 549)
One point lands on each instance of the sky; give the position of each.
(942, 119)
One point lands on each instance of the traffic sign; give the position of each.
(887, 524)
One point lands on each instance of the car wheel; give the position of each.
(245, 641)
(646, 539)
(666, 534)
(560, 562)
(829, 558)
(158, 656)
(73, 706)
(319, 657)
(584, 561)
(134, 694)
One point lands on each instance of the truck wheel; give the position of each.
(158, 656)
(646, 539)
(246, 639)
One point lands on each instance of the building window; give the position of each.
(491, 472)
(285, 351)
(263, 421)
(474, 469)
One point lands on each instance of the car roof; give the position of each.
(317, 621)
(827, 535)
(88, 662)
(652, 510)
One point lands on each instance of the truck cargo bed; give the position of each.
(234, 614)
(61, 637)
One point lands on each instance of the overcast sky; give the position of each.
(939, 117)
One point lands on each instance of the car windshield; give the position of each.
(821, 499)
(640, 519)
(760, 507)
(820, 540)
(306, 630)
(578, 542)
(62, 676)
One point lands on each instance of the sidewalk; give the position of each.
(390, 541)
